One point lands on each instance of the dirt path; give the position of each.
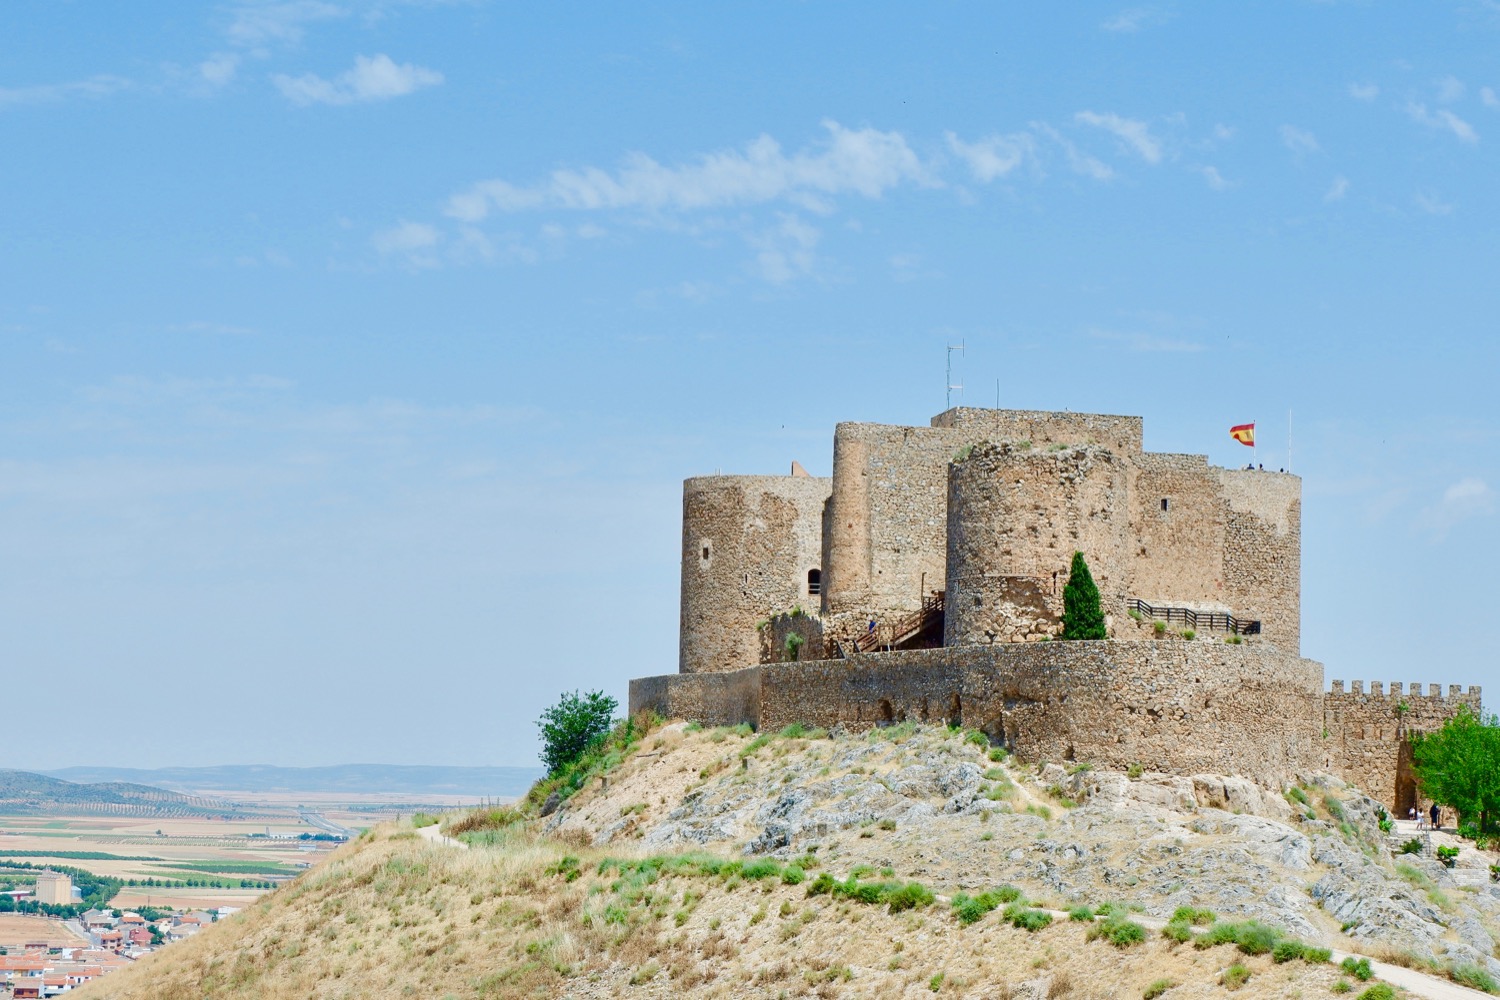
(434, 834)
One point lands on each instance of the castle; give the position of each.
(924, 581)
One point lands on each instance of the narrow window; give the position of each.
(705, 552)
(814, 582)
(1163, 503)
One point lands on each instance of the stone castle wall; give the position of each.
(1364, 733)
(1016, 515)
(748, 543)
(1181, 707)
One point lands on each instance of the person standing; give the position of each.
(1436, 815)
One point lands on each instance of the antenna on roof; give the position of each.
(951, 386)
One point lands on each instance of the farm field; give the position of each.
(261, 840)
(17, 930)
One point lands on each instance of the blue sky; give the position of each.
(352, 353)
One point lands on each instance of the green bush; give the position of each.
(1359, 968)
(1178, 932)
(1380, 991)
(1297, 795)
(573, 727)
(1118, 931)
(1316, 956)
(1159, 627)
(1447, 855)
(908, 897)
(1286, 950)
(1342, 986)
(1083, 617)
(1412, 846)
(1474, 977)
(1157, 988)
(1235, 976)
(1081, 913)
(1190, 915)
(792, 875)
(1025, 918)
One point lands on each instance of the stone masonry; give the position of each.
(986, 508)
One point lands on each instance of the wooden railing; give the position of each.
(1220, 621)
(904, 629)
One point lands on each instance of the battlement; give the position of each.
(1456, 692)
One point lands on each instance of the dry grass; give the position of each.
(394, 916)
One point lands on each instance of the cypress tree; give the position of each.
(1083, 618)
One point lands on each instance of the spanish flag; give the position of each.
(1243, 433)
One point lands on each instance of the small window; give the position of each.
(1163, 503)
(705, 548)
(814, 582)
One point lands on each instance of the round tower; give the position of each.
(751, 548)
(1015, 517)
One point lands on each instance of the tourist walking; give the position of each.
(1436, 815)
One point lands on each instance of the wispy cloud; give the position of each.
(1443, 120)
(1364, 91)
(416, 242)
(278, 23)
(1450, 89)
(48, 93)
(1133, 19)
(1080, 162)
(1432, 204)
(1468, 498)
(218, 69)
(864, 162)
(1487, 96)
(786, 251)
(1337, 189)
(993, 156)
(373, 78)
(1135, 135)
(1299, 140)
(1214, 179)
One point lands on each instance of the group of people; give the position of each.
(1435, 814)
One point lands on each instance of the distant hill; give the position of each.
(480, 782)
(25, 793)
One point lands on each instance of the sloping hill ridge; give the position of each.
(726, 864)
(23, 793)
(491, 782)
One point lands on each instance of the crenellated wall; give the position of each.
(1364, 733)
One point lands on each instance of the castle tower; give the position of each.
(752, 547)
(1016, 515)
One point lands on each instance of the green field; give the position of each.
(231, 867)
(82, 855)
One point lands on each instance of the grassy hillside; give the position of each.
(23, 793)
(902, 863)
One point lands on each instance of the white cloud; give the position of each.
(1451, 89)
(1364, 91)
(1299, 140)
(864, 161)
(1081, 163)
(993, 156)
(1432, 204)
(260, 23)
(1214, 178)
(785, 251)
(219, 68)
(1469, 497)
(1136, 135)
(414, 240)
(1442, 119)
(373, 78)
(1133, 19)
(48, 93)
(1337, 189)
(1223, 133)
(1487, 95)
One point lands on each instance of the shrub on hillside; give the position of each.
(573, 727)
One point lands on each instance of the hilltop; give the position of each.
(480, 782)
(23, 793)
(901, 862)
